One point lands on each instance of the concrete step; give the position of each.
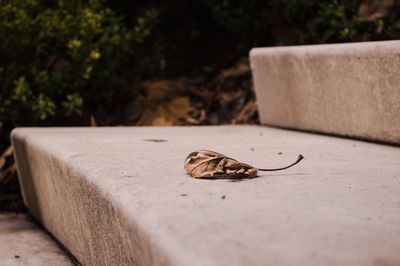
(120, 196)
(346, 89)
(22, 242)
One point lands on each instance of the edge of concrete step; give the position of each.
(350, 89)
(113, 197)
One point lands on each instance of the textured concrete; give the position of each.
(23, 243)
(114, 196)
(346, 89)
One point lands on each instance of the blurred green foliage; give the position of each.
(61, 61)
(306, 22)
(203, 33)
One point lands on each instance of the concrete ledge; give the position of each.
(114, 196)
(347, 89)
(23, 243)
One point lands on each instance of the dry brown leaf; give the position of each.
(214, 165)
(246, 114)
(7, 166)
(375, 9)
(162, 103)
(93, 122)
(162, 90)
(241, 68)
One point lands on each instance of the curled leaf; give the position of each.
(214, 165)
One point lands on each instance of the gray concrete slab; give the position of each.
(347, 89)
(22, 242)
(114, 197)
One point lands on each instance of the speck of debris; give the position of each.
(156, 140)
(184, 195)
(252, 149)
(126, 176)
(261, 134)
(16, 256)
(279, 153)
(223, 197)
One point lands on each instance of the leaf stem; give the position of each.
(286, 167)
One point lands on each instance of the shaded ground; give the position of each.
(203, 98)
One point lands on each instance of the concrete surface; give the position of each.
(346, 89)
(22, 242)
(114, 196)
